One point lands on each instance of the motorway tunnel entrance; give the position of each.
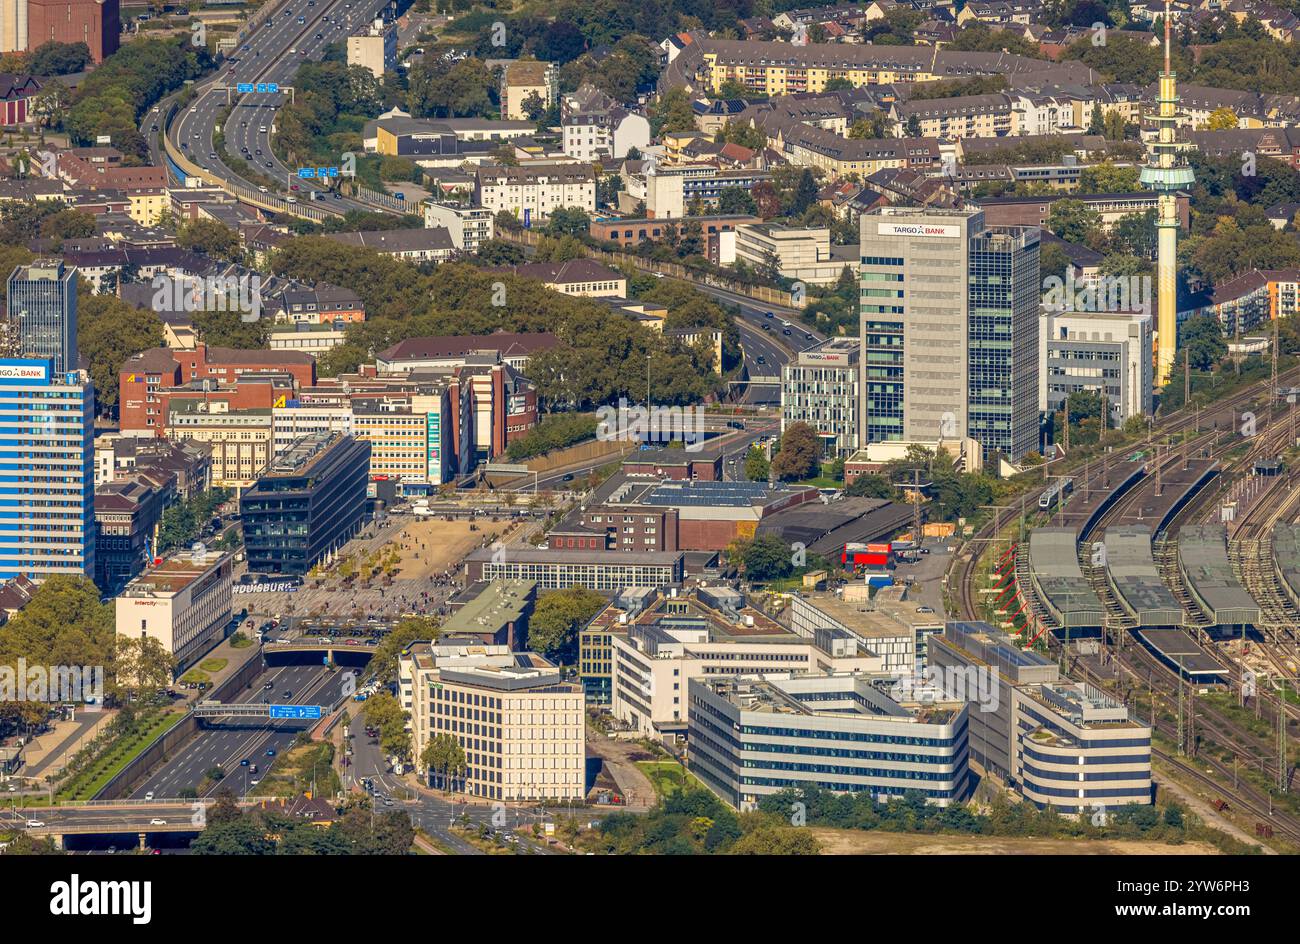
(341, 655)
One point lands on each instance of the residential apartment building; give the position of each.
(520, 725)
(965, 116)
(777, 68)
(525, 83)
(535, 191)
(468, 227)
(374, 49)
(185, 604)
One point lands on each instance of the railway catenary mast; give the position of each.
(1166, 174)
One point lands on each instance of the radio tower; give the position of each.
(1166, 174)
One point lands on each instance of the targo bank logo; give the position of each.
(75, 898)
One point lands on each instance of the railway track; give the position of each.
(1144, 669)
(1222, 418)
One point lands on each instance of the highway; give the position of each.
(228, 744)
(269, 53)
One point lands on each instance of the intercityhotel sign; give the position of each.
(919, 229)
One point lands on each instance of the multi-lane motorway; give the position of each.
(269, 52)
(226, 745)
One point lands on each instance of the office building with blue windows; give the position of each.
(1062, 744)
(753, 736)
(47, 470)
(41, 311)
(949, 325)
(310, 500)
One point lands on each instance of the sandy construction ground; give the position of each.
(859, 842)
(430, 546)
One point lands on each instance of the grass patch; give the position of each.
(240, 641)
(668, 777)
(294, 771)
(87, 784)
(196, 675)
(213, 665)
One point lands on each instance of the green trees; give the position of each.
(757, 467)
(1073, 220)
(55, 58)
(108, 332)
(443, 756)
(211, 238)
(1203, 339)
(800, 453)
(556, 619)
(183, 520)
(114, 96)
(1108, 178)
(766, 557)
(441, 89)
(553, 432)
(383, 711)
(672, 112)
(64, 624)
(357, 831)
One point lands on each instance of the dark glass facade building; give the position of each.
(310, 500)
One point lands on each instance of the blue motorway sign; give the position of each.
(307, 173)
(309, 712)
(243, 87)
(247, 87)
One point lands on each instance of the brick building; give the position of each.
(146, 375)
(96, 23)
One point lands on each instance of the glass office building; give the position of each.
(41, 309)
(310, 500)
(47, 470)
(949, 326)
(1003, 299)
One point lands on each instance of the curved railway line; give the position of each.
(1132, 665)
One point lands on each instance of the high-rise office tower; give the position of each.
(1004, 295)
(47, 470)
(42, 312)
(949, 318)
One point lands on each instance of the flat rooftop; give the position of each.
(875, 618)
(171, 576)
(500, 602)
(1178, 648)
